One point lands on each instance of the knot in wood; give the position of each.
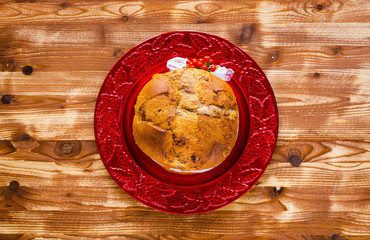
(247, 33)
(6, 98)
(316, 75)
(117, 52)
(124, 18)
(25, 137)
(207, 8)
(67, 148)
(335, 237)
(273, 57)
(13, 186)
(323, 6)
(276, 192)
(8, 64)
(295, 160)
(27, 70)
(64, 5)
(338, 49)
(295, 157)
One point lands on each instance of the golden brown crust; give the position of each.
(186, 120)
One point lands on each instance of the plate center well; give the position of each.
(154, 169)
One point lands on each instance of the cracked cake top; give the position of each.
(186, 120)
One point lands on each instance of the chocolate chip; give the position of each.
(27, 70)
(193, 158)
(178, 141)
(142, 113)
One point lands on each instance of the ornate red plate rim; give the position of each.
(110, 128)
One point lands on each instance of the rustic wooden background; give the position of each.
(56, 54)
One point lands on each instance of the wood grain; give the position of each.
(315, 54)
(159, 12)
(310, 112)
(327, 182)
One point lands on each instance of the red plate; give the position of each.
(145, 180)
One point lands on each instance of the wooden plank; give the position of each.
(101, 59)
(268, 35)
(328, 176)
(142, 221)
(64, 175)
(314, 53)
(183, 236)
(333, 154)
(334, 105)
(183, 12)
(324, 174)
(65, 193)
(305, 201)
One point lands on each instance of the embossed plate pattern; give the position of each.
(142, 178)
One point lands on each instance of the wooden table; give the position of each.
(55, 56)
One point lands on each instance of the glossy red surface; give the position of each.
(145, 180)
